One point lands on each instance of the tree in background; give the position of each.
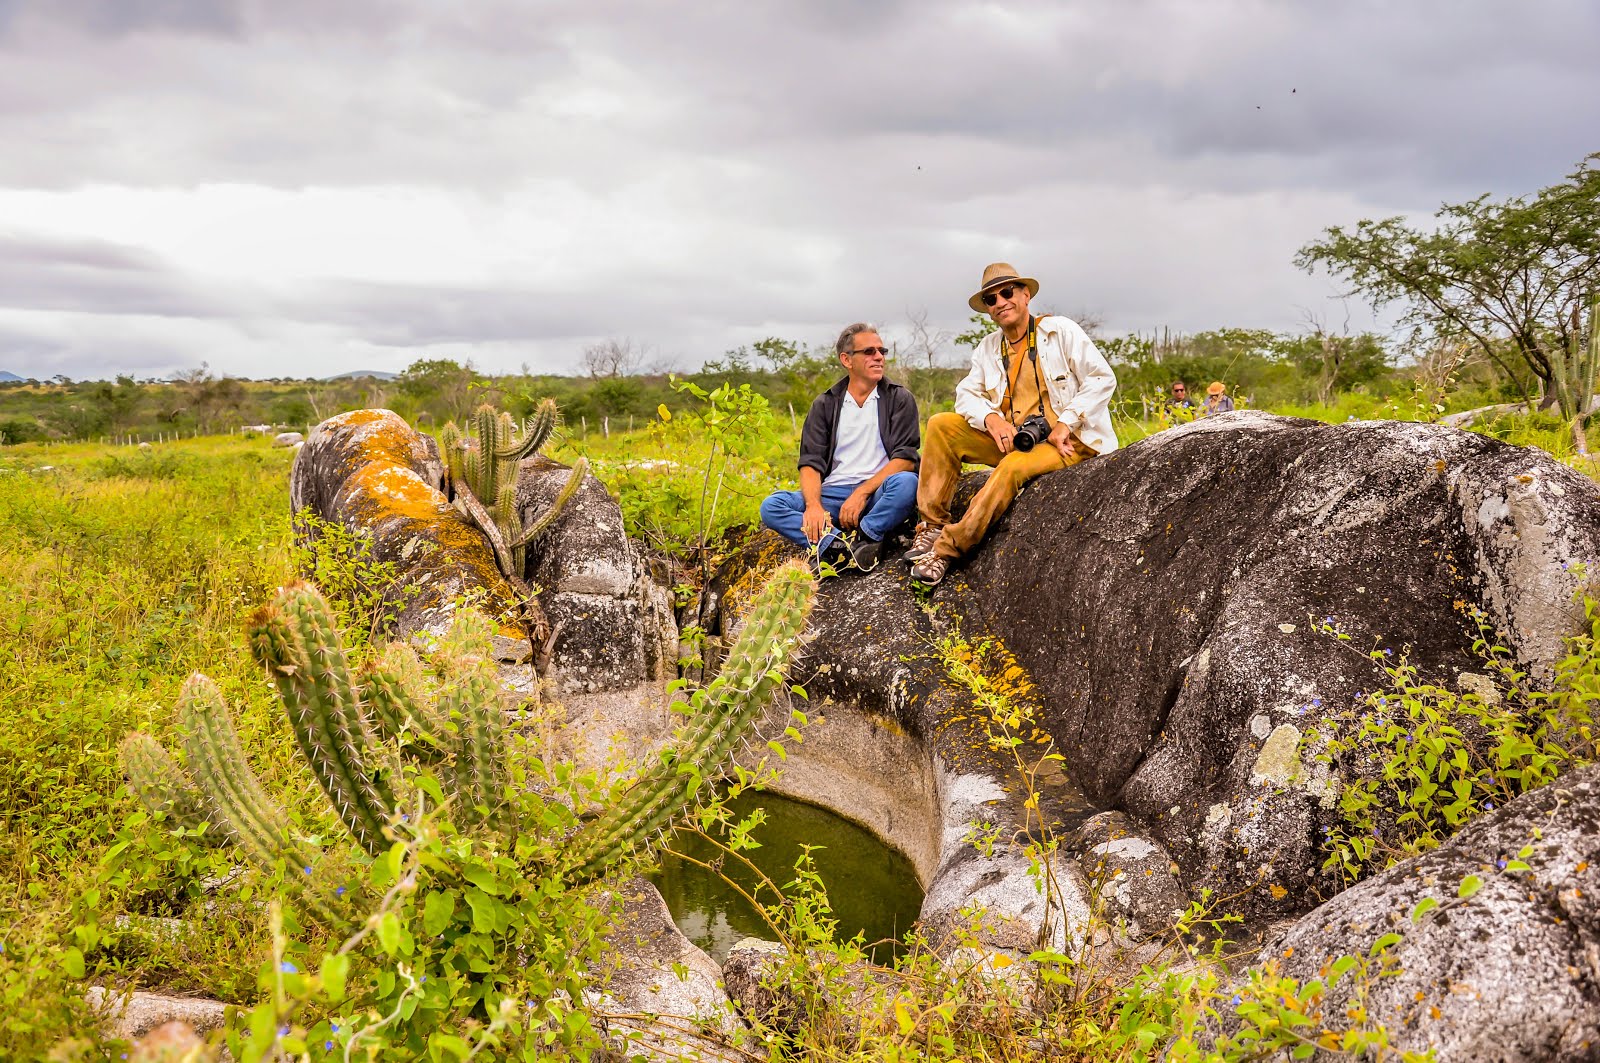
(1510, 277)
(611, 358)
(439, 387)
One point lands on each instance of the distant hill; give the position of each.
(9, 378)
(376, 374)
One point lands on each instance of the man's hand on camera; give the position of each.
(815, 523)
(850, 512)
(1001, 431)
(1061, 438)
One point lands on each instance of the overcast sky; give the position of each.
(304, 187)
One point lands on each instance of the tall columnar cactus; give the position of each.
(483, 473)
(353, 728)
(725, 712)
(297, 640)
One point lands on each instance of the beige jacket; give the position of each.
(1079, 379)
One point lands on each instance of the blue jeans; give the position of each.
(890, 506)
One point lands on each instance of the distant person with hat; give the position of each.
(1037, 399)
(858, 462)
(1217, 400)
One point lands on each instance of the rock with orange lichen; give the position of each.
(371, 472)
(613, 634)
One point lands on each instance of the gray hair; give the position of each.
(846, 338)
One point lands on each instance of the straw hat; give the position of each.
(998, 274)
(1217, 388)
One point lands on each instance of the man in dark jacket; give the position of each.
(858, 461)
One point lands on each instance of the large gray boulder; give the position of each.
(1165, 601)
(1511, 972)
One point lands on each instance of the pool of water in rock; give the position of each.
(871, 887)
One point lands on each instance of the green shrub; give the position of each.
(1422, 760)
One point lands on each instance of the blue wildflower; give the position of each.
(288, 968)
(1316, 703)
(339, 892)
(327, 1046)
(1501, 863)
(1387, 652)
(333, 1026)
(1237, 999)
(283, 1031)
(307, 870)
(1488, 806)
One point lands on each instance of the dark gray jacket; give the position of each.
(897, 426)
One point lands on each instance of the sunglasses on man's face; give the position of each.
(868, 352)
(990, 298)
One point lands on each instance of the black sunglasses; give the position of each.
(990, 298)
(869, 351)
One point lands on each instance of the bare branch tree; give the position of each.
(924, 341)
(612, 357)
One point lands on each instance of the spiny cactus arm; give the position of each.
(538, 427)
(474, 704)
(450, 440)
(509, 522)
(160, 782)
(484, 473)
(393, 689)
(484, 521)
(732, 703)
(580, 469)
(251, 820)
(470, 699)
(296, 638)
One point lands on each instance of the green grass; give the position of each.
(122, 571)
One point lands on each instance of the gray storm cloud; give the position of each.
(525, 179)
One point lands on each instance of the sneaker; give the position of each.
(865, 553)
(922, 543)
(930, 570)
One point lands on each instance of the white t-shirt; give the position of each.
(858, 448)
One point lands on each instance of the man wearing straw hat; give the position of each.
(1037, 399)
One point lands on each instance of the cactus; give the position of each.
(297, 641)
(161, 785)
(251, 820)
(352, 730)
(730, 705)
(484, 477)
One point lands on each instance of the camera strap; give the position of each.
(1032, 355)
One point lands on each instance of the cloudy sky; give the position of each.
(304, 187)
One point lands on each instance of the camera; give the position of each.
(1031, 432)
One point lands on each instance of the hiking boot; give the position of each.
(930, 570)
(865, 553)
(922, 543)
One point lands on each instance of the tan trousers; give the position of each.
(949, 442)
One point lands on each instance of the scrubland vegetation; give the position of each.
(127, 569)
(124, 569)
